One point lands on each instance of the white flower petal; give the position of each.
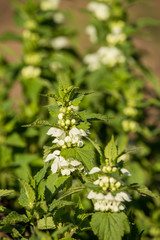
(91, 195)
(94, 170)
(49, 157)
(55, 132)
(126, 172)
(65, 171)
(75, 163)
(54, 167)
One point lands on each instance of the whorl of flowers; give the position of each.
(109, 56)
(110, 198)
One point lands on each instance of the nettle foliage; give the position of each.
(76, 195)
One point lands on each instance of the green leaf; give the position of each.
(110, 150)
(5, 192)
(60, 203)
(97, 147)
(27, 196)
(92, 116)
(110, 226)
(58, 99)
(4, 210)
(143, 190)
(54, 184)
(41, 174)
(84, 125)
(71, 191)
(39, 122)
(14, 217)
(15, 140)
(46, 223)
(61, 230)
(84, 155)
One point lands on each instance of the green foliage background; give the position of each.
(114, 90)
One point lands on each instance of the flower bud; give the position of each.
(73, 121)
(69, 109)
(60, 116)
(118, 184)
(68, 122)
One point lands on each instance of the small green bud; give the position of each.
(69, 108)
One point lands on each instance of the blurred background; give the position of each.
(147, 41)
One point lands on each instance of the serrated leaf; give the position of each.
(39, 122)
(79, 97)
(14, 217)
(84, 155)
(4, 210)
(143, 190)
(41, 174)
(46, 223)
(52, 95)
(86, 116)
(5, 192)
(84, 125)
(60, 203)
(110, 226)
(110, 150)
(27, 196)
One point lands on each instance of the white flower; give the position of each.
(47, 5)
(123, 196)
(76, 135)
(93, 62)
(100, 10)
(53, 155)
(60, 116)
(125, 171)
(110, 56)
(109, 202)
(92, 32)
(58, 18)
(94, 170)
(30, 72)
(60, 42)
(113, 39)
(59, 134)
(66, 166)
(55, 132)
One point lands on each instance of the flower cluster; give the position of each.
(47, 5)
(72, 139)
(65, 166)
(109, 202)
(117, 35)
(67, 136)
(109, 56)
(100, 10)
(108, 199)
